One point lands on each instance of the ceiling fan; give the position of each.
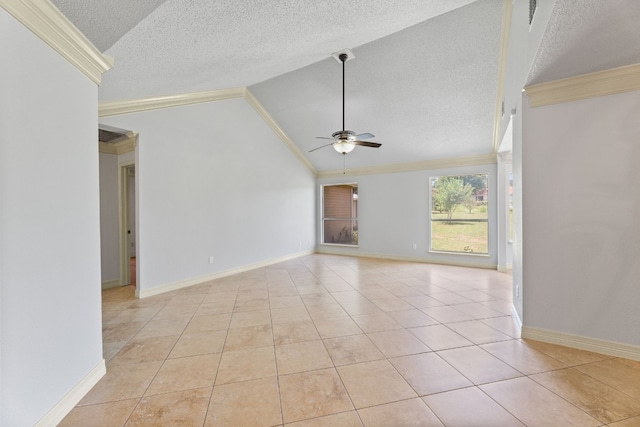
(344, 141)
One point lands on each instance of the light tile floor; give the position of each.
(341, 341)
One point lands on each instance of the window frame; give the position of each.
(488, 202)
(323, 218)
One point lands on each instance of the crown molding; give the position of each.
(502, 72)
(277, 129)
(106, 148)
(153, 103)
(119, 147)
(483, 159)
(43, 19)
(601, 83)
(146, 104)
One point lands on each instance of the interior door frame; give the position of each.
(125, 254)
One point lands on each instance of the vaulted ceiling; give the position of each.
(586, 36)
(424, 79)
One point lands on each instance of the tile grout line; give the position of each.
(165, 359)
(275, 358)
(215, 377)
(378, 277)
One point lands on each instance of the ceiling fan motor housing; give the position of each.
(344, 135)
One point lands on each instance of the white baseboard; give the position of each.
(144, 293)
(516, 317)
(503, 268)
(71, 399)
(111, 284)
(464, 261)
(610, 348)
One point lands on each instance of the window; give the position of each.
(459, 217)
(340, 214)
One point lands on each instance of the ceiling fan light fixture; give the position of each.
(344, 141)
(344, 146)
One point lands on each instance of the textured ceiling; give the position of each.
(427, 92)
(204, 45)
(424, 79)
(585, 36)
(104, 22)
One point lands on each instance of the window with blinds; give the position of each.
(340, 214)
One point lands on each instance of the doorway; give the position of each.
(505, 200)
(128, 241)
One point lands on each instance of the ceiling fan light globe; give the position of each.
(344, 147)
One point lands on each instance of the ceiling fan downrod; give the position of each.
(343, 57)
(344, 141)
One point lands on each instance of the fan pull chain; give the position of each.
(344, 159)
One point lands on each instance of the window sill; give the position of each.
(473, 254)
(341, 245)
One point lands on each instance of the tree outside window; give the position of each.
(459, 215)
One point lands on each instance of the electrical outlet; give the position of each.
(517, 290)
(415, 246)
(210, 260)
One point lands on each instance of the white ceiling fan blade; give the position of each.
(324, 137)
(322, 146)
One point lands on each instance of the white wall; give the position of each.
(214, 180)
(393, 214)
(519, 290)
(109, 219)
(524, 42)
(50, 247)
(581, 217)
(505, 256)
